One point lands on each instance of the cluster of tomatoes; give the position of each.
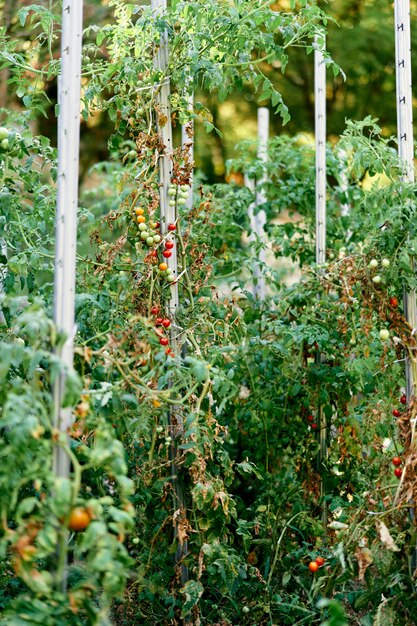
(312, 421)
(149, 232)
(162, 323)
(313, 566)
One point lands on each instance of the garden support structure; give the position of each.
(258, 218)
(405, 136)
(169, 215)
(69, 86)
(405, 139)
(320, 141)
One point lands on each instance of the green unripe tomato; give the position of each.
(376, 279)
(149, 241)
(170, 278)
(4, 133)
(181, 201)
(172, 191)
(142, 226)
(135, 540)
(159, 429)
(184, 194)
(245, 609)
(152, 224)
(384, 334)
(4, 144)
(172, 202)
(156, 238)
(144, 235)
(373, 263)
(385, 263)
(184, 188)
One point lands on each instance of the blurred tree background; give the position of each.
(361, 41)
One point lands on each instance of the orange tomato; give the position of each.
(79, 519)
(313, 566)
(141, 219)
(139, 211)
(163, 267)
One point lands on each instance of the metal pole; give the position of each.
(258, 220)
(66, 214)
(169, 215)
(67, 203)
(405, 138)
(320, 137)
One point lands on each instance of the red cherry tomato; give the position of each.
(313, 566)
(159, 321)
(396, 413)
(320, 561)
(168, 351)
(157, 225)
(164, 341)
(166, 323)
(310, 418)
(314, 426)
(167, 254)
(403, 399)
(398, 472)
(169, 245)
(393, 302)
(396, 461)
(155, 310)
(172, 227)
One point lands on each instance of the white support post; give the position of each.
(187, 142)
(405, 138)
(67, 203)
(258, 219)
(69, 86)
(169, 215)
(320, 137)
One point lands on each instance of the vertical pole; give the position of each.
(405, 138)
(320, 138)
(169, 215)
(66, 215)
(258, 220)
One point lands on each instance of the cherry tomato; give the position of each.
(154, 253)
(396, 413)
(396, 461)
(310, 418)
(313, 566)
(320, 561)
(159, 321)
(314, 426)
(139, 211)
(398, 472)
(167, 254)
(169, 245)
(166, 323)
(164, 341)
(157, 224)
(393, 302)
(403, 399)
(163, 267)
(168, 352)
(155, 310)
(141, 219)
(172, 227)
(79, 519)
